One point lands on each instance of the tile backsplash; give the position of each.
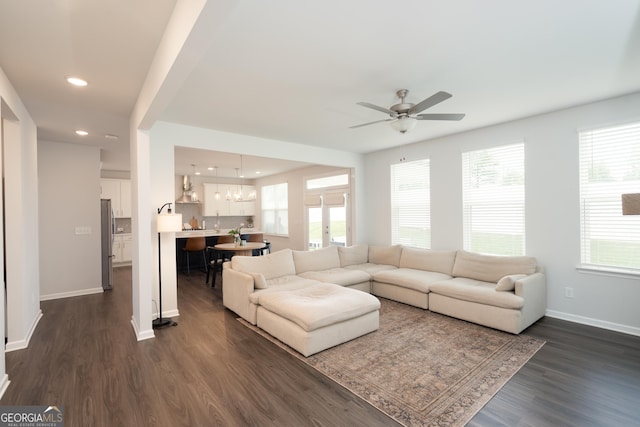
(123, 225)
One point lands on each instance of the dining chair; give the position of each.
(216, 258)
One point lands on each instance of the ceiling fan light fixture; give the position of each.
(403, 124)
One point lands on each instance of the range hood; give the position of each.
(188, 195)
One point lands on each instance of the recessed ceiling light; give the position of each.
(258, 172)
(197, 173)
(76, 81)
(210, 168)
(82, 132)
(111, 136)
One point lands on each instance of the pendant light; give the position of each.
(238, 194)
(217, 195)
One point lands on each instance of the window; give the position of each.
(609, 167)
(411, 204)
(493, 200)
(275, 213)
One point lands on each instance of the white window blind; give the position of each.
(411, 204)
(493, 200)
(275, 209)
(609, 167)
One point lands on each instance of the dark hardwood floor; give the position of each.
(210, 370)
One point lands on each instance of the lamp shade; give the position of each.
(169, 223)
(403, 124)
(631, 204)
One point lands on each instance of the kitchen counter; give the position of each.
(212, 232)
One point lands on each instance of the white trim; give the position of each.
(4, 384)
(631, 330)
(141, 336)
(81, 292)
(22, 344)
(609, 271)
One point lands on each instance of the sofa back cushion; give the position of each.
(318, 260)
(491, 268)
(389, 255)
(427, 259)
(273, 265)
(353, 255)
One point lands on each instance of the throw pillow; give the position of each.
(508, 283)
(259, 282)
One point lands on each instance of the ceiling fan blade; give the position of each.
(430, 102)
(440, 116)
(370, 123)
(375, 107)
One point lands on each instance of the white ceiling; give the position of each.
(293, 71)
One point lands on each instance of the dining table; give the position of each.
(243, 250)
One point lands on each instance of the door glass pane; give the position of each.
(338, 226)
(315, 228)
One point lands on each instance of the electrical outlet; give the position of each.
(568, 292)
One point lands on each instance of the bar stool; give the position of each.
(195, 244)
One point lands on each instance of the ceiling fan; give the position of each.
(403, 115)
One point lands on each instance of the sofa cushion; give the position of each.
(371, 268)
(477, 291)
(419, 280)
(322, 305)
(320, 259)
(259, 281)
(273, 265)
(427, 259)
(353, 255)
(339, 276)
(389, 255)
(508, 283)
(281, 284)
(491, 268)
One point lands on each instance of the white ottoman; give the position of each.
(317, 317)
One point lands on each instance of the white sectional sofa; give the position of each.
(312, 300)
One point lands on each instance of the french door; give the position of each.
(327, 226)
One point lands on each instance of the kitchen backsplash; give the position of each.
(123, 225)
(189, 210)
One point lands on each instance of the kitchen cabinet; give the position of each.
(119, 191)
(212, 206)
(224, 207)
(122, 245)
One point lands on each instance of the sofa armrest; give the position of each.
(533, 289)
(236, 288)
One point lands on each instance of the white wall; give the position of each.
(552, 204)
(69, 197)
(20, 222)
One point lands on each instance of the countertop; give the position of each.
(212, 232)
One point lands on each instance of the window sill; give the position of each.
(609, 271)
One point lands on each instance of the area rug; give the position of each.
(423, 368)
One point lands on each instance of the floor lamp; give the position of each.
(167, 223)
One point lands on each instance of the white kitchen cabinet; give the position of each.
(122, 245)
(212, 206)
(119, 191)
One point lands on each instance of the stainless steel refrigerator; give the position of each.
(107, 229)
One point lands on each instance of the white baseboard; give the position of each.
(24, 343)
(72, 294)
(4, 384)
(594, 322)
(141, 335)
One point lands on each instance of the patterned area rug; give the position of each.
(423, 368)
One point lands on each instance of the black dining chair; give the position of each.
(216, 258)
